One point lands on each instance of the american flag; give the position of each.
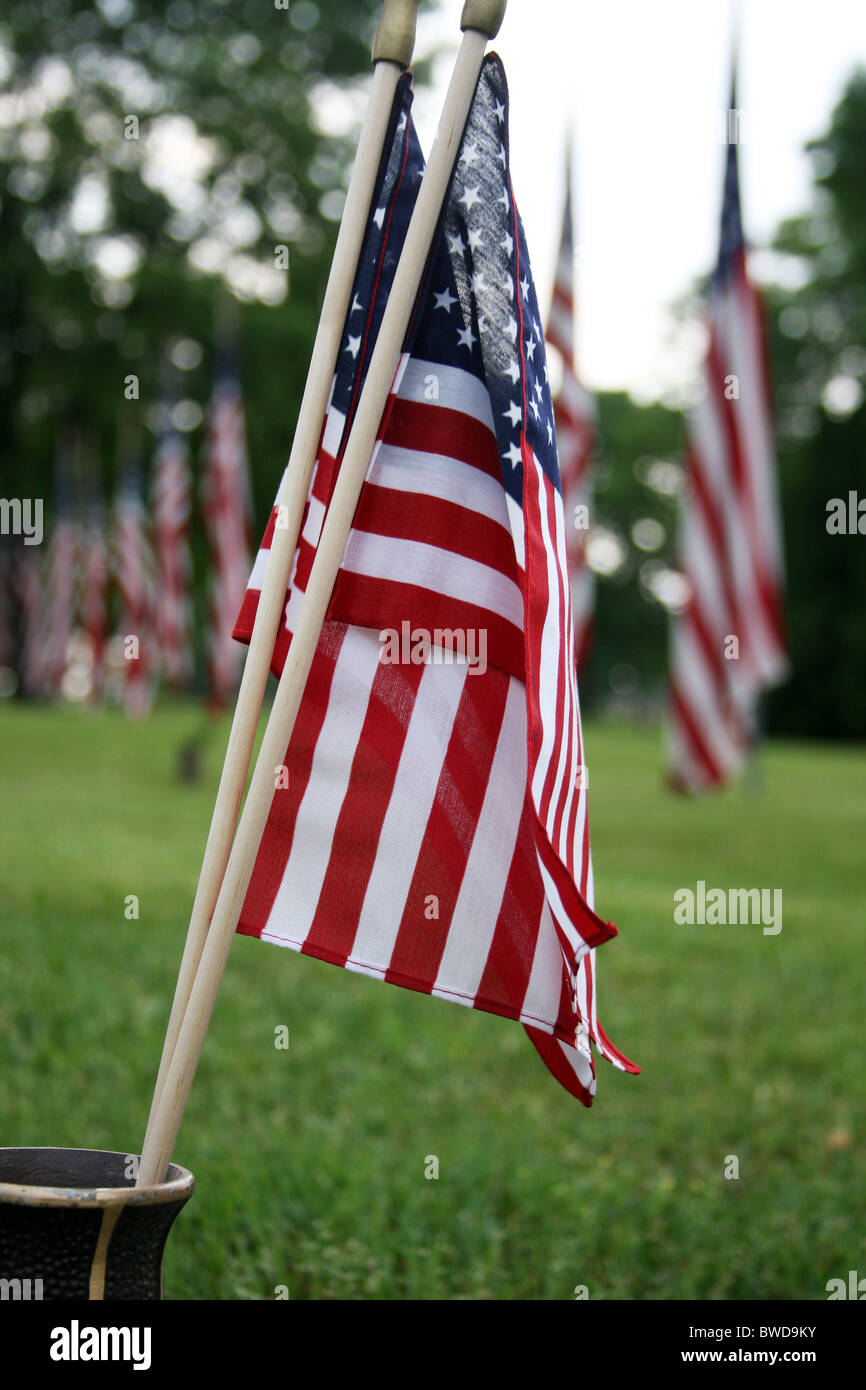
(7, 604)
(574, 419)
(172, 492)
(27, 582)
(94, 584)
(133, 563)
(226, 506)
(61, 581)
(432, 831)
(728, 642)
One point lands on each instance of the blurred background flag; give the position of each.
(62, 573)
(94, 578)
(575, 432)
(27, 582)
(172, 493)
(133, 565)
(227, 511)
(728, 643)
(413, 837)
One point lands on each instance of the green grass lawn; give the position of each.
(310, 1162)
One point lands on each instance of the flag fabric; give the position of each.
(574, 419)
(431, 827)
(27, 583)
(94, 587)
(226, 508)
(728, 642)
(172, 493)
(134, 570)
(61, 582)
(7, 604)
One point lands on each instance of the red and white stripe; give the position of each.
(171, 513)
(226, 509)
(133, 560)
(730, 553)
(59, 601)
(94, 595)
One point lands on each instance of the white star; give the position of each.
(465, 338)
(379, 217)
(513, 413)
(456, 245)
(470, 154)
(401, 124)
(475, 240)
(508, 243)
(500, 111)
(524, 288)
(501, 155)
(444, 300)
(514, 456)
(503, 199)
(549, 432)
(511, 327)
(513, 370)
(539, 389)
(537, 329)
(353, 345)
(469, 197)
(509, 289)
(546, 377)
(534, 408)
(530, 348)
(478, 282)
(483, 322)
(356, 305)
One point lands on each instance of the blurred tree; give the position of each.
(632, 544)
(149, 151)
(818, 348)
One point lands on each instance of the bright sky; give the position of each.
(644, 87)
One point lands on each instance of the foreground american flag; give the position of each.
(172, 491)
(575, 436)
(431, 829)
(226, 508)
(730, 540)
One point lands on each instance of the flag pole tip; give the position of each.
(484, 15)
(395, 36)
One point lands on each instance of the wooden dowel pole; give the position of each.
(168, 1111)
(392, 51)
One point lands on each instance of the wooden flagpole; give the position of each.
(392, 51)
(480, 20)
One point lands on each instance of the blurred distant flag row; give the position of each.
(103, 607)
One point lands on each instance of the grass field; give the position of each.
(310, 1162)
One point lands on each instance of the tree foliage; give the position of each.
(149, 152)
